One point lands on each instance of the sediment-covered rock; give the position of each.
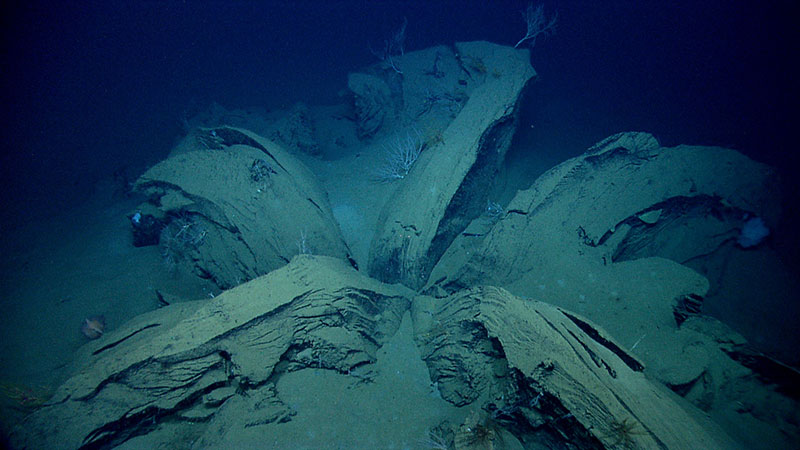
(235, 206)
(447, 187)
(578, 235)
(181, 364)
(547, 373)
(372, 103)
(611, 235)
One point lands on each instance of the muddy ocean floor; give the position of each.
(57, 272)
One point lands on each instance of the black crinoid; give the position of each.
(622, 433)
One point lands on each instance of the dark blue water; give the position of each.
(89, 88)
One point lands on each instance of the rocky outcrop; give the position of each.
(571, 317)
(571, 237)
(235, 206)
(609, 235)
(545, 371)
(372, 102)
(295, 130)
(190, 362)
(215, 372)
(447, 187)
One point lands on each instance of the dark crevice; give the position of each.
(119, 341)
(469, 200)
(614, 348)
(673, 210)
(234, 137)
